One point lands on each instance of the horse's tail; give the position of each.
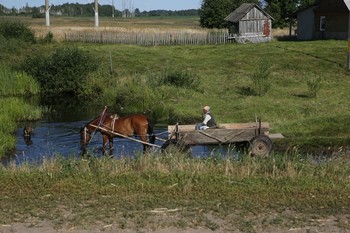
(151, 136)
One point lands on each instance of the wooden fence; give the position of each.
(150, 39)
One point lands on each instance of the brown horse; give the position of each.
(112, 125)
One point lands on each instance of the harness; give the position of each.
(114, 118)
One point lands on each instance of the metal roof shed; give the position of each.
(250, 23)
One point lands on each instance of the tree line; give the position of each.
(76, 9)
(211, 13)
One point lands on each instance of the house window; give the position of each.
(322, 23)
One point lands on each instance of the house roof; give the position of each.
(242, 10)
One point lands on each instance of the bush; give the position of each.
(48, 38)
(16, 30)
(260, 78)
(314, 85)
(182, 79)
(63, 72)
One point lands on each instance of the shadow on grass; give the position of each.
(246, 91)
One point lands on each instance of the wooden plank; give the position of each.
(216, 136)
(252, 125)
(276, 136)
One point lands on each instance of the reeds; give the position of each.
(17, 84)
(12, 110)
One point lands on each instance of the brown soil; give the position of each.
(326, 225)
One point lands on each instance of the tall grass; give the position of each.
(17, 84)
(112, 188)
(12, 110)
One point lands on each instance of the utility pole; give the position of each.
(347, 3)
(47, 13)
(349, 40)
(113, 9)
(96, 13)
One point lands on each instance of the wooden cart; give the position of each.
(256, 135)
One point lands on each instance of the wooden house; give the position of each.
(249, 22)
(327, 19)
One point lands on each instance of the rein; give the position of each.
(97, 128)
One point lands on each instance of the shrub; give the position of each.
(260, 78)
(314, 85)
(16, 30)
(63, 72)
(48, 38)
(181, 79)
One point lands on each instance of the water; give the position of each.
(62, 138)
(58, 134)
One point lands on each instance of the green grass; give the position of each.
(13, 110)
(17, 84)
(225, 73)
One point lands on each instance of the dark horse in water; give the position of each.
(113, 125)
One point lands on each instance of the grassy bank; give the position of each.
(225, 83)
(127, 192)
(14, 109)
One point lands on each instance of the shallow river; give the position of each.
(59, 135)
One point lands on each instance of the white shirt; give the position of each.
(206, 118)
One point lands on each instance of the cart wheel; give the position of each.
(261, 145)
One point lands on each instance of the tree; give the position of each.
(306, 3)
(213, 12)
(281, 10)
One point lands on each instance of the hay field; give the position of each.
(59, 26)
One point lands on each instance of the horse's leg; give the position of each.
(104, 143)
(110, 146)
(143, 138)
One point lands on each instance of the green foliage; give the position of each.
(15, 83)
(314, 85)
(213, 12)
(16, 30)
(282, 10)
(48, 38)
(153, 94)
(260, 78)
(14, 37)
(65, 71)
(137, 94)
(13, 110)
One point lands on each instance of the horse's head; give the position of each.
(85, 136)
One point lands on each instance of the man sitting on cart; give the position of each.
(208, 122)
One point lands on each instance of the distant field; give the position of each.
(60, 25)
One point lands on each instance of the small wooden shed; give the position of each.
(249, 22)
(324, 20)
